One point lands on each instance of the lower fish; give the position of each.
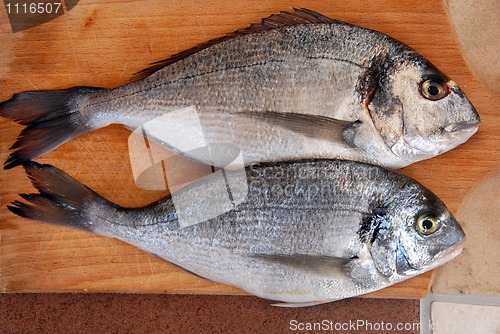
(300, 233)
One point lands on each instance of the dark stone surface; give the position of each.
(134, 313)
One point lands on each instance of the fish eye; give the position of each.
(433, 89)
(427, 224)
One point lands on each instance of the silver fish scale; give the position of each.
(279, 45)
(251, 61)
(325, 223)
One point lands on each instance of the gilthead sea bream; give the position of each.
(295, 86)
(301, 233)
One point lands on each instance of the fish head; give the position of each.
(421, 113)
(412, 235)
(429, 235)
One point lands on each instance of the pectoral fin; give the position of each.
(314, 126)
(315, 264)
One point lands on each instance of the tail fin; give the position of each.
(62, 200)
(51, 118)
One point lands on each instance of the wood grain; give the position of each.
(103, 44)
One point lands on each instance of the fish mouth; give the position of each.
(404, 266)
(462, 127)
(457, 134)
(449, 253)
(444, 139)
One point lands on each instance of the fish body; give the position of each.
(302, 233)
(295, 86)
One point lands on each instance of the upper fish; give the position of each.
(294, 86)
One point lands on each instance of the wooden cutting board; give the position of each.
(102, 43)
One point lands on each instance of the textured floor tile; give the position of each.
(139, 313)
(464, 319)
(477, 270)
(476, 24)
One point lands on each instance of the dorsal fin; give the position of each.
(275, 21)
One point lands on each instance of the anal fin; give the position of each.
(305, 304)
